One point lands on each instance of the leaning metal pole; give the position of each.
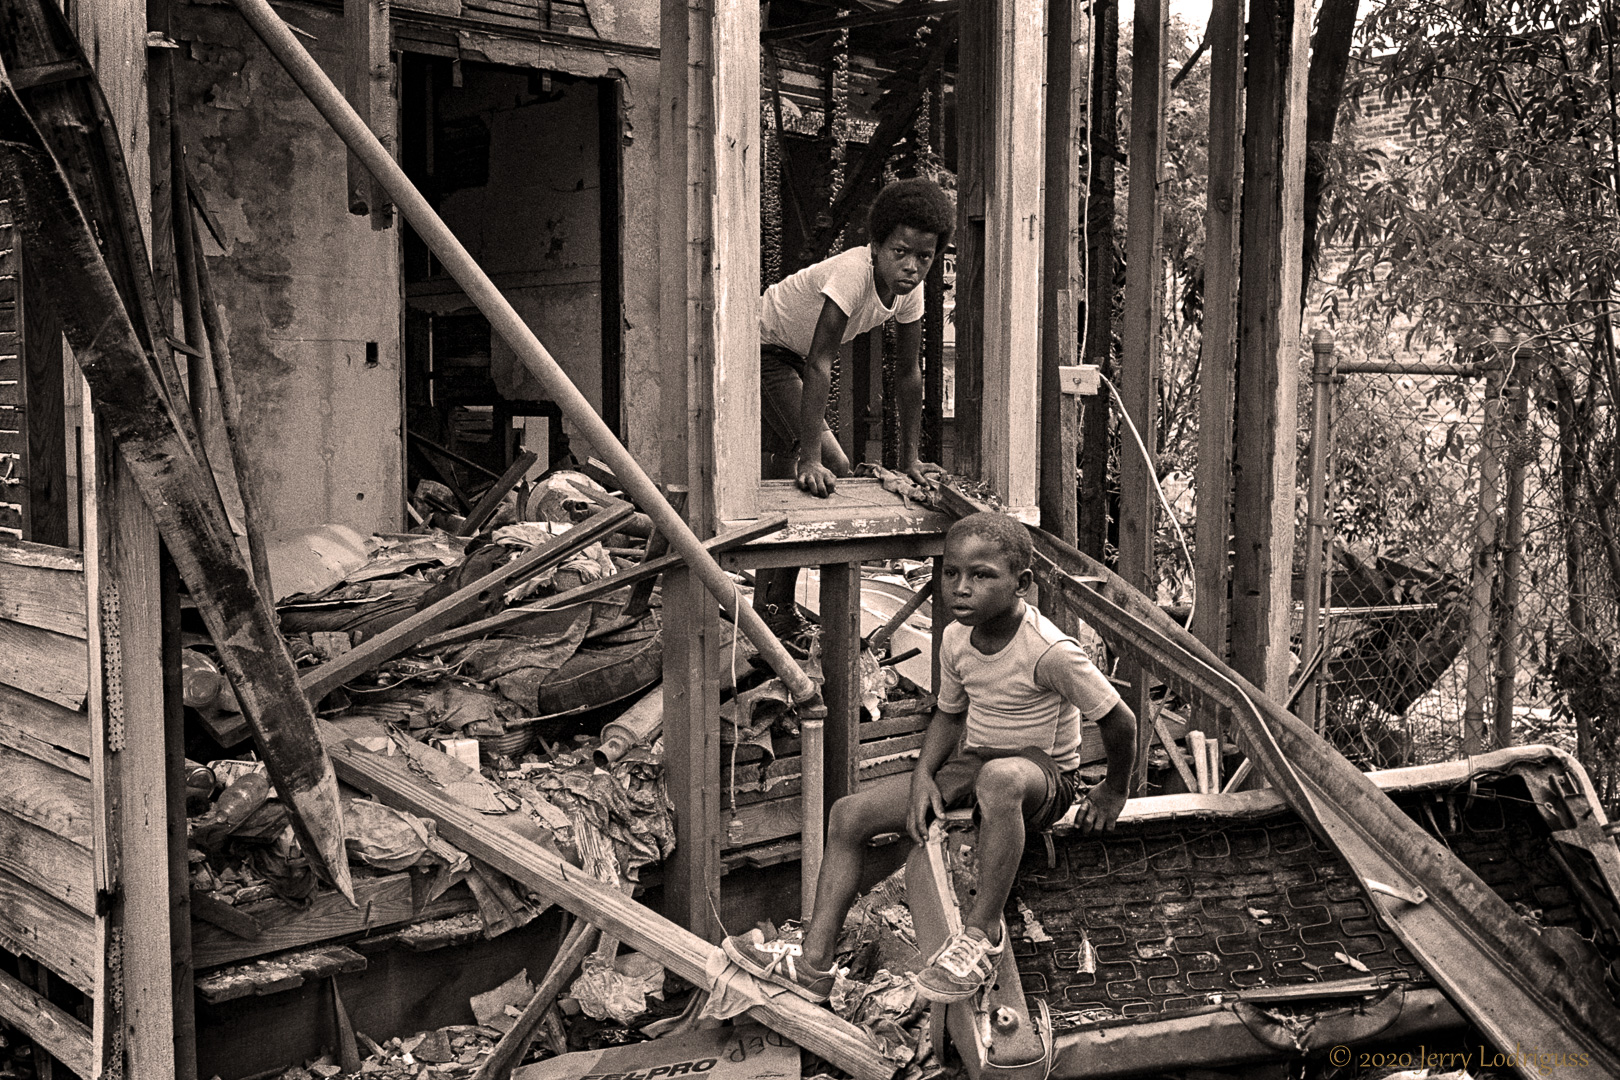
(330, 103)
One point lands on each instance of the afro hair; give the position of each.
(920, 203)
(1008, 534)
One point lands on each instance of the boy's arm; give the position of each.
(810, 474)
(1102, 804)
(908, 388)
(943, 736)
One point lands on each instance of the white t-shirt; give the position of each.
(1032, 692)
(791, 308)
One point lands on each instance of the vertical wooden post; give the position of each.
(692, 752)
(1318, 570)
(709, 338)
(1218, 367)
(1144, 301)
(368, 84)
(1264, 437)
(1060, 413)
(975, 48)
(840, 656)
(126, 606)
(1012, 255)
(1092, 513)
(933, 358)
(174, 752)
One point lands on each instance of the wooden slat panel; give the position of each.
(63, 1037)
(37, 924)
(46, 664)
(48, 862)
(381, 901)
(45, 721)
(22, 741)
(44, 596)
(45, 795)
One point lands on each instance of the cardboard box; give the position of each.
(743, 1052)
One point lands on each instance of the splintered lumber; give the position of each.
(53, 1029)
(1504, 975)
(505, 320)
(509, 1051)
(491, 500)
(131, 404)
(434, 618)
(681, 951)
(645, 571)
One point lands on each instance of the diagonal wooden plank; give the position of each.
(689, 956)
(132, 405)
(436, 617)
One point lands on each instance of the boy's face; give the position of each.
(902, 261)
(980, 584)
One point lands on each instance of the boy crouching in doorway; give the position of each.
(1005, 738)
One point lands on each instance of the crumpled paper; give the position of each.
(391, 839)
(618, 991)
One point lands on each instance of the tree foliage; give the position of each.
(1498, 205)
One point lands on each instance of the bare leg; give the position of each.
(854, 821)
(1006, 789)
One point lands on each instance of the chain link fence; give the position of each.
(1468, 593)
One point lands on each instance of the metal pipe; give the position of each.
(1416, 367)
(1315, 515)
(1477, 644)
(1507, 640)
(330, 103)
(812, 755)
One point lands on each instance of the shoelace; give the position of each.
(963, 956)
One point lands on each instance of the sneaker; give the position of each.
(779, 961)
(963, 966)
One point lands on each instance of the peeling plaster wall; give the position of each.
(305, 285)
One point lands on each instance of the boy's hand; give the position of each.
(814, 477)
(925, 797)
(1099, 809)
(925, 473)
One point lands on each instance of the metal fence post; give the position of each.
(1518, 454)
(1317, 572)
(1477, 645)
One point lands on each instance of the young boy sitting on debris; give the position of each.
(1016, 687)
(803, 321)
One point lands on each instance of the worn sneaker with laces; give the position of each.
(964, 965)
(779, 961)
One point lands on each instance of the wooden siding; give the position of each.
(47, 892)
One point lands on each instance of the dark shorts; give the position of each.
(958, 775)
(781, 387)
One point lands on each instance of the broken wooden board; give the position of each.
(1498, 970)
(513, 620)
(274, 974)
(98, 324)
(437, 617)
(679, 950)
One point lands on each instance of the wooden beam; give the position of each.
(65, 1038)
(678, 949)
(437, 617)
(840, 662)
(1012, 255)
(157, 449)
(975, 48)
(1061, 269)
(692, 754)
(1265, 431)
(509, 1050)
(1102, 264)
(644, 571)
(1144, 306)
(1217, 369)
(368, 73)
